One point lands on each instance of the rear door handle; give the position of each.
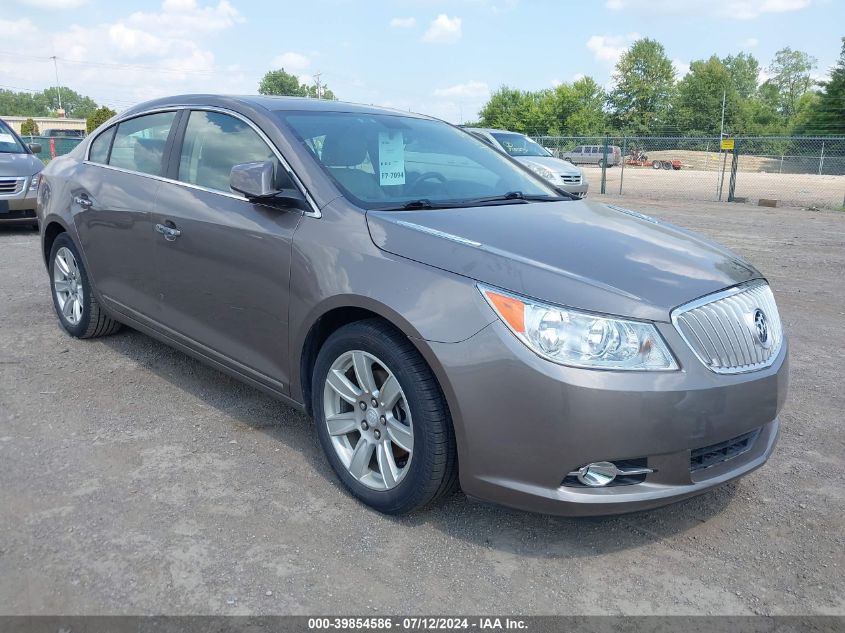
(170, 233)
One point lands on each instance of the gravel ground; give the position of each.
(134, 480)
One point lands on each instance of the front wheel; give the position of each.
(382, 419)
(73, 298)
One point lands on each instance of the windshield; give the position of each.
(9, 144)
(383, 161)
(519, 144)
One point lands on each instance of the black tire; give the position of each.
(433, 468)
(656, 164)
(601, 164)
(667, 164)
(94, 321)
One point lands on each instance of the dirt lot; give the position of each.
(690, 184)
(135, 480)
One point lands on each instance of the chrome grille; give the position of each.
(571, 180)
(11, 185)
(722, 331)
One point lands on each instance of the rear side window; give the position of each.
(99, 152)
(214, 143)
(139, 143)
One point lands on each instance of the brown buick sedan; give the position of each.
(443, 313)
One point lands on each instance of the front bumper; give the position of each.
(578, 190)
(19, 208)
(524, 423)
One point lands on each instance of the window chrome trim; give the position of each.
(315, 210)
(718, 296)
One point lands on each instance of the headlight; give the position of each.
(580, 339)
(33, 182)
(541, 171)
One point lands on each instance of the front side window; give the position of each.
(9, 143)
(99, 152)
(139, 143)
(385, 161)
(519, 144)
(214, 143)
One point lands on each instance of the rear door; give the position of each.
(113, 193)
(224, 262)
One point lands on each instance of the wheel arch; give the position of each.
(52, 229)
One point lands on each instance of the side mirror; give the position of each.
(255, 181)
(35, 148)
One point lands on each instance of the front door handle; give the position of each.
(83, 201)
(170, 233)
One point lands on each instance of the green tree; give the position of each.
(826, 115)
(644, 81)
(282, 83)
(698, 103)
(75, 105)
(507, 109)
(790, 71)
(29, 128)
(98, 117)
(744, 70)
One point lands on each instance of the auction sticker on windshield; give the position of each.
(391, 158)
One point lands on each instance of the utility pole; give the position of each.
(58, 89)
(722, 129)
(318, 85)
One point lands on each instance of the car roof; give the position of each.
(265, 102)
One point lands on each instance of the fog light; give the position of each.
(597, 474)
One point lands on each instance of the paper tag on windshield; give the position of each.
(8, 138)
(391, 158)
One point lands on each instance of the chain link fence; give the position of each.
(53, 146)
(793, 171)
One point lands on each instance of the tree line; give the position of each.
(648, 99)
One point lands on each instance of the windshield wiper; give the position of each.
(514, 197)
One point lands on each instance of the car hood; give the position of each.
(556, 165)
(19, 165)
(581, 254)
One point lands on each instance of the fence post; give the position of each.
(604, 167)
(821, 159)
(624, 156)
(734, 165)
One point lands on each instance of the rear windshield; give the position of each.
(383, 161)
(9, 143)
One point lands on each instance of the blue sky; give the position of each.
(440, 57)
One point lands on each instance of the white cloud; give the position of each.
(751, 42)
(443, 29)
(55, 4)
(17, 28)
(403, 23)
(681, 68)
(291, 62)
(471, 88)
(609, 48)
(736, 9)
(132, 58)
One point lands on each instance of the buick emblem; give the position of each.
(761, 328)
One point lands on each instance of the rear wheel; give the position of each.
(655, 164)
(79, 312)
(382, 419)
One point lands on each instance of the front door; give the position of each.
(224, 262)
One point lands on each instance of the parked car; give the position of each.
(537, 158)
(594, 155)
(442, 313)
(63, 133)
(19, 175)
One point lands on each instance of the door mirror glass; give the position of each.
(254, 180)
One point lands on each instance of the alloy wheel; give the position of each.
(67, 286)
(368, 420)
